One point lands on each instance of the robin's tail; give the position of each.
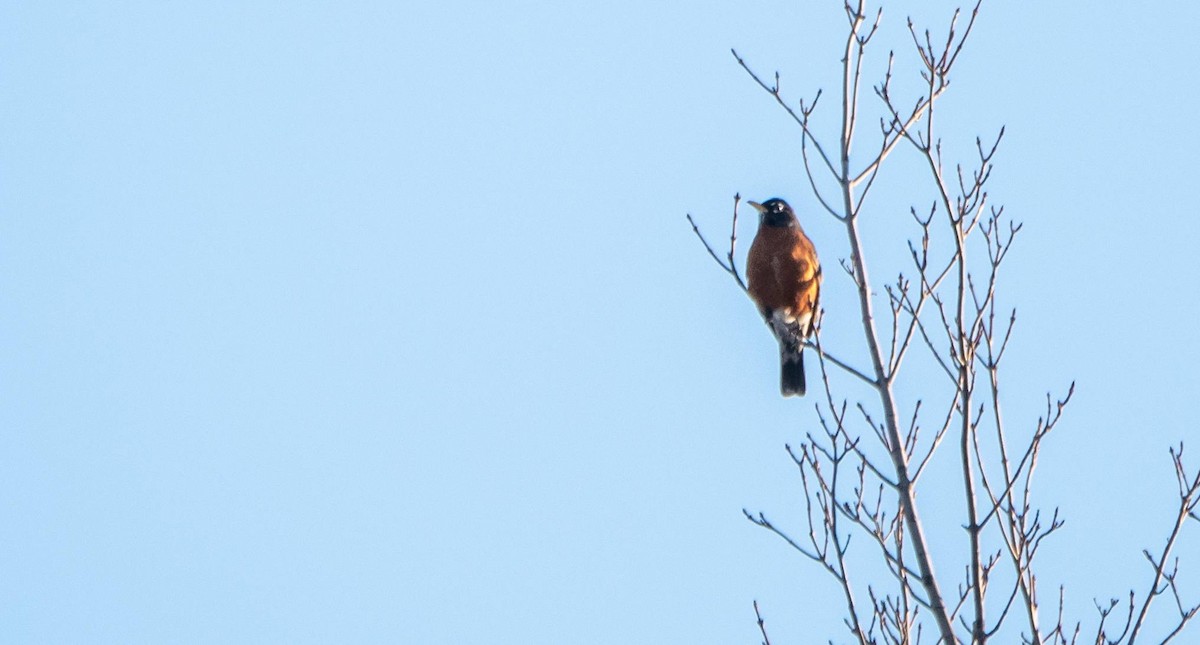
(791, 360)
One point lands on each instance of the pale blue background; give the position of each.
(381, 322)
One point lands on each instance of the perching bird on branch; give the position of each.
(784, 279)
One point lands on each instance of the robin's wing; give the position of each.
(806, 285)
(808, 301)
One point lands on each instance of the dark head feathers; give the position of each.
(775, 212)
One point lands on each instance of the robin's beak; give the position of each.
(757, 206)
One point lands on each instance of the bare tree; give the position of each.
(862, 470)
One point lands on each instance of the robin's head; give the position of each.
(775, 212)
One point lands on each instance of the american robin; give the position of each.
(785, 282)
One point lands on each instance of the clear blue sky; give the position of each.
(381, 322)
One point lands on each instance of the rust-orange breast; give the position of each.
(783, 270)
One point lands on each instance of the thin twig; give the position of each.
(761, 625)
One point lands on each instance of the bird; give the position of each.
(784, 280)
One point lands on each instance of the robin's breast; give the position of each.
(781, 268)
